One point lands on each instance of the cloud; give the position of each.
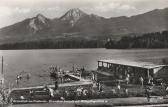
(16, 10)
(5, 11)
(127, 7)
(114, 7)
(21, 10)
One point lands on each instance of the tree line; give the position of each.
(54, 44)
(148, 40)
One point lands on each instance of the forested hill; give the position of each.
(148, 40)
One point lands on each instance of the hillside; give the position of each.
(78, 25)
(148, 40)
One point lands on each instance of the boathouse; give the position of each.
(120, 69)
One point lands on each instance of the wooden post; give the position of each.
(2, 66)
(73, 68)
(148, 73)
(2, 76)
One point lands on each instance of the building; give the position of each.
(121, 69)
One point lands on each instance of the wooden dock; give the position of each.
(81, 82)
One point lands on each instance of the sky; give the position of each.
(12, 11)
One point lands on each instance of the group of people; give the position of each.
(21, 76)
(49, 91)
(81, 92)
(141, 80)
(62, 94)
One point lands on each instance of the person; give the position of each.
(22, 97)
(141, 80)
(100, 88)
(62, 98)
(51, 92)
(67, 94)
(46, 88)
(84, 93)
(18, 77)
(127, 80)
(166, 90)
(118, 88)
(28, 76)
(56, 85)
(151, 81)
(31, 94)
(79, 92)
(126, 91)
(93, 76)
(17, 82)
(147, 93)
(120, 76)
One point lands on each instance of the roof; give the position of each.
(147, 65)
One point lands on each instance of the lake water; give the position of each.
(36, 62)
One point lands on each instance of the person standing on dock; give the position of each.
(118, 88)
(28, 76)
(17, 80)
(127, 80)
(56, 85)
(141, 80)
(31, 94)
(51, 92)
(147, 93)
(126, 91)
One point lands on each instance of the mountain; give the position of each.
(73, 15)
(38, 23)
(78, 25)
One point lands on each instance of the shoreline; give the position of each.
(131, 101)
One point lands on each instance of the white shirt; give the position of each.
(51, 92)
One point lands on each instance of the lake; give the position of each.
(37, 62)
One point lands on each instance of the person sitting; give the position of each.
(85, 93)
(46, 89)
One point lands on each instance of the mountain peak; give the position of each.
(41, 18)
(38, 22)
(76, 10)
(73, 15)
(40, 15)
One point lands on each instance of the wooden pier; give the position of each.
(80, 82)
